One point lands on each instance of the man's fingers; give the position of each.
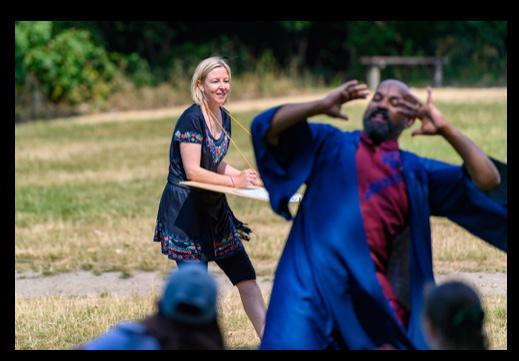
(418, 107)
(408, 109)
(363, 94)
(417, 132)
(361, 91)
(408, 113)
(360, 87)
(355, 92)
(429, 95)
(350, 84)
(411, 98)
(408, 105)
(341, 116)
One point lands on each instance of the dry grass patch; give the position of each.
(51, 323)
(463, 95)
(456, 250)
(496, 325)
(58, 323)
(238, 330)
(121, 245)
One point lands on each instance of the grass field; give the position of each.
(52, 322)
(87, 195)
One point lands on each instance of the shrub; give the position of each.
(69, 67)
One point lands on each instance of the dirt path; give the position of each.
(440, 94)
(136, 115)
(141, 283)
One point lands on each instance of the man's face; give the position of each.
(382, 120)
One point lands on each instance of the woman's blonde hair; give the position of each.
(201, 72)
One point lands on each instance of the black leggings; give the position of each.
(237, 267)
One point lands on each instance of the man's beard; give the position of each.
(380, 131)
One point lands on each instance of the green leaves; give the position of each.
(68, 66)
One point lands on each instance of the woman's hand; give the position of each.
(259, 182)
(246, 179)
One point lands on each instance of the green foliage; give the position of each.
(135, 68)
(147, 50)
(29, 35)
(68, 65)
(71, 62)
(296, 26)
(476, 50)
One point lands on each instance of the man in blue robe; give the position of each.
(353, 270)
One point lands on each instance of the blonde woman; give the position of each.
(198, 225)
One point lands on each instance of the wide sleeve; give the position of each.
(189, 129)
(285, 167)
(453, 194)
(500, 193)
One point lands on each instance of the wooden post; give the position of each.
(375, 63)
(373, 77)
(438, 73)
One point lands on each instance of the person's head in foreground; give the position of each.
(453, 318)
(186, 318)
(189, 302)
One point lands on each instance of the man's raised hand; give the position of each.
(348, 91)
(432, 119)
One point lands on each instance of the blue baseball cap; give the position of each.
(190, 295)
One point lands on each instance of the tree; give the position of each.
(68, 65)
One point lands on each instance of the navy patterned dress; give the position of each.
(194, 224)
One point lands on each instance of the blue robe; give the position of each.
(325, 292)
(124, 336)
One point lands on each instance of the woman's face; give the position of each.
(216, 86)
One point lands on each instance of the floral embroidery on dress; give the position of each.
(178, 248)
(227, 245)
(217, 151)
(189, 137)
(175, 247)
